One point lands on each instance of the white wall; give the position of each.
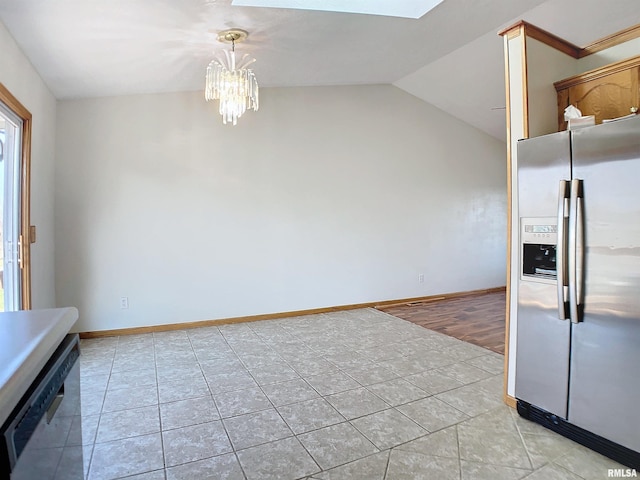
(545, 65)
(22, 80)
(610, 55)
(326, 196)
(474, 97)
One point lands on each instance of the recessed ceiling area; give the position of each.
(450, 57)
(397, 8)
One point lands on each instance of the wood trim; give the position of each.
(14, 104)
(510, 401)
(25, 220)
(513, 31)
(597, 73)
(513, 34)
(436, 298)
(567, 47)
(272, 316)
(611, 41)
(544, 37)
(551, 40)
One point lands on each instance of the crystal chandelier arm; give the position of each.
(245, 61)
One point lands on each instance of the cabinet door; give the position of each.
(611, 96)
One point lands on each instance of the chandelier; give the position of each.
(230, 81)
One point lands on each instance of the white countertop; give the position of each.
(28, 338)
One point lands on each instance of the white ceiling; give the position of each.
(451, 57)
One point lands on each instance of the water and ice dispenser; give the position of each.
(538, 240)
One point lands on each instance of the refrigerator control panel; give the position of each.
(538, 239)
(539, 230)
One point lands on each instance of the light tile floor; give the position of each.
(347, 395)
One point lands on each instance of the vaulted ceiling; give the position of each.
(451, 57)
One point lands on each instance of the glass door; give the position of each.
(14, 222)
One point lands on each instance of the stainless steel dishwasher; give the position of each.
(42, 438)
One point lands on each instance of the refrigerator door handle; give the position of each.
(575, 250)
(561, 270)
(580, 252)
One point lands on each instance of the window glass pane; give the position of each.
(10, 174)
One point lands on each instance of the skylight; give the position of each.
(389, 8)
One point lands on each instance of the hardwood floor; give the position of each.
(475, 318)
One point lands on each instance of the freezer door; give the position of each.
(604, 391)
(542, 351)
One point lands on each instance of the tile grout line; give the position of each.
(95, 438)
(215, 403)
(524, 445)
(155, 365)
(459, 453)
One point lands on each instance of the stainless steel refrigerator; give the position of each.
(578, 317)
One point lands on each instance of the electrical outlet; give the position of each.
(124, 302)
(421, 278)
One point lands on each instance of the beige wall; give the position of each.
(545, 65)
(326, 196)
(22, 80)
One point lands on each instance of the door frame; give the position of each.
(25, 236)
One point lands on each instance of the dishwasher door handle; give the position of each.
(55, 404)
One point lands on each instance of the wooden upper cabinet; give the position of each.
(607, 92)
